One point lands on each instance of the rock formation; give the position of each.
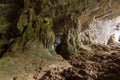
(67, 36)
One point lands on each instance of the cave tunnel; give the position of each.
(58, 42)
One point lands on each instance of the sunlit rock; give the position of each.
(99, 31)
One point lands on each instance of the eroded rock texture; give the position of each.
(39, 32)
(78, 22)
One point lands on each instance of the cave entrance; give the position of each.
(117, 33)
(115, 36)
(58, 42)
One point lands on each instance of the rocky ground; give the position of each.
(104, 64)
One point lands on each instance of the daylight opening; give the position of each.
(116, 33)
(104, 31)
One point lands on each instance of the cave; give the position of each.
(59, 39)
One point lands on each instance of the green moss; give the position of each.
(2, 42)
(46, 34)
(3, 20)
(46, 25)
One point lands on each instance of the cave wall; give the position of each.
(79, 22)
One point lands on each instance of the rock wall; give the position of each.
(81, 22)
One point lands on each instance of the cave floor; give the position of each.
(103, 65)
